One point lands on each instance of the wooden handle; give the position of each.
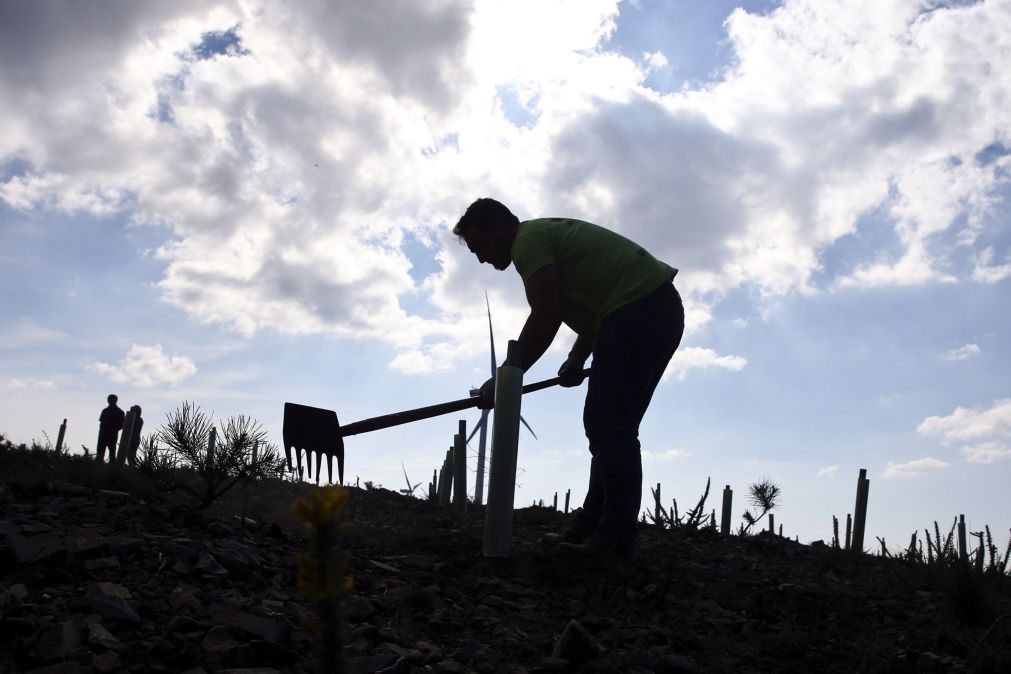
(398, 418)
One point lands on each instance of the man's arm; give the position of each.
(571, 371)
(544, 295)
(581, 349)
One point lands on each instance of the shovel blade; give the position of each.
(313, 429)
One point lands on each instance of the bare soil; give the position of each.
(98, 577)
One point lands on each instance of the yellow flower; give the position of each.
(333, 498)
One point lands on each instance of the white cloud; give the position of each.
(971, 424)
(412, 362)
(828, 471)
(147, 366)
(698, 358)
(985, 272)
(655, 60)
(15, 384)
(914, 268)
(288, 170)
(912, 468)
(435, 358)
(962, 352)
(991, 427)
(666, 456)
(987, 452)
(874, 96)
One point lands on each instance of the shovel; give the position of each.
(315, 429)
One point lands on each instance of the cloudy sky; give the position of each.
(239, 204)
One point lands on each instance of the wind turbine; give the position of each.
(410, 487)
(482, 425)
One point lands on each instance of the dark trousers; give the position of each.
(633, 347)
(106, 441)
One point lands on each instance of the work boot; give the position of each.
(598, 554)
(570, 535)
(578, 530)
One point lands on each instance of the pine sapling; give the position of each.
(764, 497)
(223, 460)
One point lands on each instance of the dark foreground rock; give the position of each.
(94, 581)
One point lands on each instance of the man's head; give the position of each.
(488, 228)
(112, 398)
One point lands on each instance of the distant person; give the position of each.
(138, 424)
(621, 303)
(110, 422)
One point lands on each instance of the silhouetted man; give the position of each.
(110, 422)
(621, 303)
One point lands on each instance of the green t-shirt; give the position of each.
(600, 270)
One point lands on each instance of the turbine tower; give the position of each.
(482, 425)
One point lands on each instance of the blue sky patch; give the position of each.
(163, 110)
(689, 34)
(516, 111)
(992, 153)
(422, 257)
(874, 240)
(451, 141)
(13, 168)
(423, 264)
(216, 43)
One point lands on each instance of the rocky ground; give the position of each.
(101, 580)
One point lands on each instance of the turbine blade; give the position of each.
(528, 427)
(407, 479)
(491, 334)
(478, 425)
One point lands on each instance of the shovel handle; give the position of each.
(398, 418)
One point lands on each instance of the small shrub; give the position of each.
(156, 464)
(996, 566)
(241, 453)
(974, 589)
(694, 519)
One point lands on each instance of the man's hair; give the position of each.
(485, 213)
(112, 398)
